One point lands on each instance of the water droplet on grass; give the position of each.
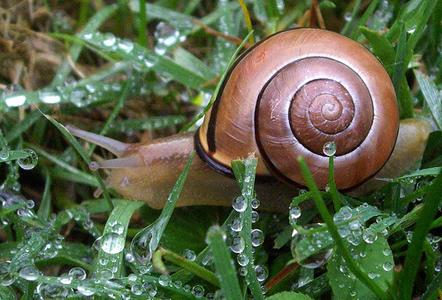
(85, 290)
(15, 101)
(236, 225)
(189, 254)
(29, 273)
(111, 243)
(137, 289)
(294, 214)
(239, 204)
(329, 148)
(387, 266)
(77, 273)
(198, 291)
(369, 236)
(261, 273)
(237, 245)
(164, 280)
(28, 162)
(242, 259)
(257, 237)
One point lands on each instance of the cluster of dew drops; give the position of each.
(237, 243)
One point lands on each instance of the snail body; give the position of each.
(290, 95)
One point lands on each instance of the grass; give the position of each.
(136, 70)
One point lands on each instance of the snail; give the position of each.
(291, 94)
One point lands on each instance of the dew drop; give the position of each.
(49, 97)
(77, 273)
(4, 153)
(239, 204)
(189, 254)
(344, 214)
(255, 216)
(85, 290)
(255, 203)
(117, 228)
(126, 46)
(65, 279)
(136, 289)
(150, 288)
(236, 225)
(242, 259)
(29, 273)
(294, 214)
(329, 148)
(28, 162)
(15, 101)
(261, 273)
(387, 266)
(109, 40)
(237, 245)
(164, 280)
(198, 291)
(257, 237)
(369, 236)
(111, 243)
(386, 252)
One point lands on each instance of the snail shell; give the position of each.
(293, 93)
(287, 96)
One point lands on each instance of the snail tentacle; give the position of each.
(115, 147)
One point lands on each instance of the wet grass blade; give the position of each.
(412, 260)
(323, 211)
(92, 26)
(44, 210)
(245, 175)
(223, 263)
(431, 95)
(111, 244)
(156, 229)
(74, 143)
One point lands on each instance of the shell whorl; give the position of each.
(296, 91)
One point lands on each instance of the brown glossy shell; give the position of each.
(296, 91)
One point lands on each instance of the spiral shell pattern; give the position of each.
(296, 91)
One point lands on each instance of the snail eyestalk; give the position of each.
(115, 147)
(117, 163)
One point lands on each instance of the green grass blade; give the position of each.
(323, 211)
(23, 126)
(399, 81)
(143, 59)
(348, 27)
(142, 23)
(412, 260)
(245, 175)
(431, 95)
(111, 244)
(44, 211)
(223, 263)
(93, 24)
(433, 288)
(74, 143)
(154, 231)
